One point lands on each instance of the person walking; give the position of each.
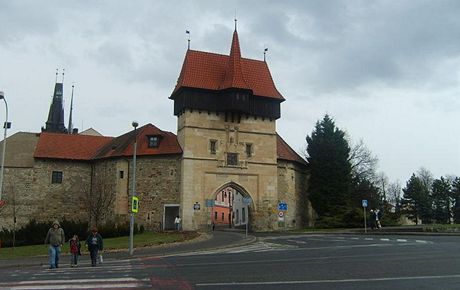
(75, 250)
(378, 225)
(55, 238)
(177, 221)
(95, 244)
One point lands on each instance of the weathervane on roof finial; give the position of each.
(188, 32)
(235, 22)
(57, 71)
(63, 72)
(265, 51)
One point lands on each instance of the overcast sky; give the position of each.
(388, 72)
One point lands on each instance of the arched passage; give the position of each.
(232, 207)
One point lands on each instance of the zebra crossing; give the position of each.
(112, 274)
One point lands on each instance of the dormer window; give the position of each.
(154, 141)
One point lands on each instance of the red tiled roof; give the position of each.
(123, 145)
(87, 147)
(68, 146)
(285, 152)
(205, 70)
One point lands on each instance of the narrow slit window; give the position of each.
(248, 149)
(213, 146)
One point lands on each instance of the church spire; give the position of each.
(55, 122)
(234, 74)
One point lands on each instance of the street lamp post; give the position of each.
(131, 224)
(6, 125)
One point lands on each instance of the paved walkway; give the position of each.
(207, 241)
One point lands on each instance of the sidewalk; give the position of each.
(206, 241)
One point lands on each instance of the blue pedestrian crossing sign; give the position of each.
(364, 201)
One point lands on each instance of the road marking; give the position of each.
(385, 240)
(401, 240)
(77, 283)
(421, 241)
(369, 239)
(328, 281)
(296, 241)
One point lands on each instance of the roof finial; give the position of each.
(188, 32)
(235, 22)
(63, 72)
(57, 71)
(265, 52)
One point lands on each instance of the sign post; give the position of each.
(247, 201)
(364, 203)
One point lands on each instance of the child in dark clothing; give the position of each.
(75, 247)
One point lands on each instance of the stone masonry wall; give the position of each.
(31, 194)
(292, 189)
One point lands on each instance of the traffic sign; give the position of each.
(247, 200)
(364, 202)
(135, 204)
(282, 206)
(209, 203)
(281, 214)
(196, 206)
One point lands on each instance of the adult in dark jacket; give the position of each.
(95, 244)
(55, 238)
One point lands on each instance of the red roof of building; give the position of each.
(285, 152)
(123, 145)
(68, 146)
(205, 70)
(87, 147)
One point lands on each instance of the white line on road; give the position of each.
(369, 239)
(401, 240)
(327, 281)
(385, 240)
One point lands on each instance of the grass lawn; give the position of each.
(140, 240)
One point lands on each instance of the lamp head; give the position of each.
(135, 124)
(2, 95)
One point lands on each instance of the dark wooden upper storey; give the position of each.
(230, 84)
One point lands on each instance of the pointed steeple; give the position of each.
(233, 74)
(55, 122)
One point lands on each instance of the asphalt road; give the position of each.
(272, 262)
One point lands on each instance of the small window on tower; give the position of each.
(213, 146)
(56, 177)
(248, 149)
(232, 159)
(154, 141)
(122, 173)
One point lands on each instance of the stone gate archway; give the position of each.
(232, 207)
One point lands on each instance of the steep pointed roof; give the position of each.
(233, 73)
(55, 122)
(212, 71)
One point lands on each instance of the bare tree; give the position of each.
(363, 162)
(99, 200)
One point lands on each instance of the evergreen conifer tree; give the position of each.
(330, 170)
